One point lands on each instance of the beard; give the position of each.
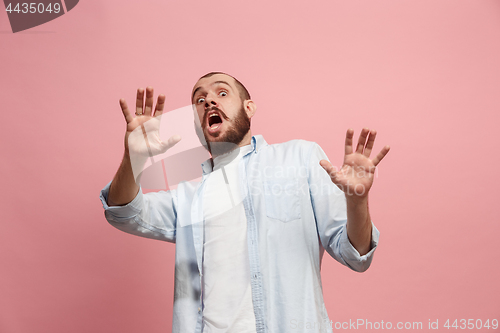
(221, 143)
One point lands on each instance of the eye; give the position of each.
(223, 93)
(200, 100)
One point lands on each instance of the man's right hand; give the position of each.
(142, 139)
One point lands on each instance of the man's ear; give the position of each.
(250, 107)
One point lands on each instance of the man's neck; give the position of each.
(247, 139)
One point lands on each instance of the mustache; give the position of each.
(214, 108)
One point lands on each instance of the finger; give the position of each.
(348, 141)
(139, 102)
(172, 141)
(149, 101)
(329, 168)
(369, 144)
(381, 155)
(160, 104)
(362, 140)
(126, 112)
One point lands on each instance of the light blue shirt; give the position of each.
(294, 212)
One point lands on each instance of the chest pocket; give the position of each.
(282, 199)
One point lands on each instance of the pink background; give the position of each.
(425, 74)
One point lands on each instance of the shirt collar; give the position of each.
(258, 143)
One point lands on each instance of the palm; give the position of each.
(142, 139)
(357, 173)
(143, 136)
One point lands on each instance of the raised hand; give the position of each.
(356, 176)
(142, 139)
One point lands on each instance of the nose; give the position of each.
(210, 101)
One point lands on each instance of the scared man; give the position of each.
(250, 236)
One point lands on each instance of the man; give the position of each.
(251, 235)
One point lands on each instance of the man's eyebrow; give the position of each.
(194, 92)
(216, 82)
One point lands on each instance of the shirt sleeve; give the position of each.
(330, 211)
(152, 215)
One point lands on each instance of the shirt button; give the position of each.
(255, 276)
(199, 310)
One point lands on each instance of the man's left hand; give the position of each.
(355, 177)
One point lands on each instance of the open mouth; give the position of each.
(214, 121)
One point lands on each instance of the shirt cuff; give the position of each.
(350, 253)
(121, 212)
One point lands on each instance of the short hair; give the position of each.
(244, 94)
